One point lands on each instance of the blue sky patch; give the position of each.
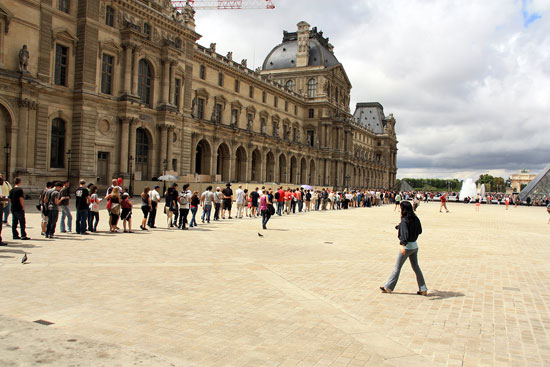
(528, 18)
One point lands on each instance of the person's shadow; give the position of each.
(435, 295)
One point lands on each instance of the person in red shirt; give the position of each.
(280, 196)
(288, 200)
(443, 203)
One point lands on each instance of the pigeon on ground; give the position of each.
(24, 259)
(260, 235)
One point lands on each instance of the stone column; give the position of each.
(132, 138)
(170, 139)
(21, 153)
(135, 71)
(31, 135)
(276, 175)
(124, 128)
(163, 146)
(165, 89)
(127, 68)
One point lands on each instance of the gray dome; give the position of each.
(284, 55)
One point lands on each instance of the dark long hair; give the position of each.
(407, 210)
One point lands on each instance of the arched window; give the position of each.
(290, 84)
(311, 87)
(145, 81)
(57, 144)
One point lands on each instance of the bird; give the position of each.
(260, 235)
(24, 259)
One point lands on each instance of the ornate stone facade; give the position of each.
(124, 87)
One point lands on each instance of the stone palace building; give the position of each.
(98, 89)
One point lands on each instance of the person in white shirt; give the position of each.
(155, 200)
(241, 200)
(184, 199)
(207, 199)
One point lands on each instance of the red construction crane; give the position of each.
(225, 4)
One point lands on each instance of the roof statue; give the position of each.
(539, 187)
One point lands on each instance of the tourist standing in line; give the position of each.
(146, 207)
(254, 197)
(217, 203)
(65, 195)
(227, 200)
(170, 206)
(408, 231)
(155, 200)
(397, 201)
(265, 202)
(114, 208)
(194, 205)
(126, 215)
(4, 200)
(52, 200)
(44, 208)
(280, 197)
(82, 196)
(93, 213)
(308, 200)
(240, 201)
(5, 189)
(184, 199)
(17, 210)
(207, 199)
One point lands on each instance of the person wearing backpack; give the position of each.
(207, 198)
(217, 203)
(114, 208)
(93, 215)
(183, 201)
(52, 200)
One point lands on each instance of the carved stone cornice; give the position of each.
(27, 103)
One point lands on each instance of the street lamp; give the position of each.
(130, 161)
(7, 150)
(164, 164)
(69, 154)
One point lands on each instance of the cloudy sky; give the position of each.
(467, 80)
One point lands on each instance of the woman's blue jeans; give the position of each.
(413, 258)
(193, 222)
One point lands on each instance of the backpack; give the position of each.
(182, 200)
(276, 195)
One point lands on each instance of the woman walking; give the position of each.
(409, 230)
(265, 208)
(126, 215)
(146, 207)
(195, 201)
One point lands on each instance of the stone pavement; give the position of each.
(305, 294)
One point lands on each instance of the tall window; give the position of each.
(237, 86)
(217, 115)
(220, 79)
(63, 5)
(286, 106)
(200, 108)
(107, 74)
(202, 72)
(57, 144)
(142, 152)
(178, 42)
(251, 92)
(147, 30)
(110, 16)
(61, 64)
(275, 101)
(296, 110)
(177, 86)
(290, 84)
(336, 94)
(264, 97)
(235, 116)
(311, 113)
(145, 79)
(311, 87)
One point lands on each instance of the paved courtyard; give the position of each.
(305, 294)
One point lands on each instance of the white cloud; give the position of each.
(468, 83)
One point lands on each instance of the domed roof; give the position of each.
(283, 56)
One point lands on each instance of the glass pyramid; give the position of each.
(539, 187)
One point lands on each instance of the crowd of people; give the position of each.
(181, 207)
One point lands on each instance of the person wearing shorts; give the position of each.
(227, 200)
(146, 207)
(126, 214)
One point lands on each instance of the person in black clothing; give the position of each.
(408, 231)
(17, 210)
(82, 206)
(227, 200)
(254, 197)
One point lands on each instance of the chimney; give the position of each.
(302, 56)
